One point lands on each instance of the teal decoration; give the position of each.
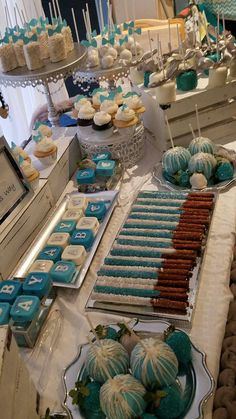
(15, 38)
(182, 178)
(94, 33)
(123, 107)
(21, 160)
(111, 96)
(187, 80)
(91, 403)
(88, 44)
(55, 21)
(214, 58)
(146, 78)
(118, 90)
(154, 363)
(201, 144)
(109, 353)
(122, 397)
(224, 171)
(13, 145)
(98, 90)
(33, 22)
(128, 25)
(5, 39)
(175, 159)
(79, 97)
(181, 345)
(105, 41)
(117, 30)
(172, 405)
(123, 40)
(37, 125)
(51, 33)
(37, 138)
(131, 94)
(39, 30)
(64, 22)
(202, 163)
(105, 30)
(33, 38)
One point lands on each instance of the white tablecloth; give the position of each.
(212, 303)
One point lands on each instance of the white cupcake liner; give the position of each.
(48, 160)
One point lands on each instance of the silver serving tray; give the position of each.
(219, 187)
(41, 240)
(179, 320)
(195, 380)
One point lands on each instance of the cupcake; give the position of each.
(109, 105)
(85, 120)
(133, 101)
(80, 101)
(19, 152)
(102, 124)
(119, 96)
(31, 174)
(125, 120)
(97, 93)
(43, 128)
(45, 149)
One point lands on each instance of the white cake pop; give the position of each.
(129, 42)
(93, 58)
(107, 61)
(136, 48)
(126, 55)
(103, 50)
(112, 51)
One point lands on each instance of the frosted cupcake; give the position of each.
(31, 174)
(97, 93)
(133, 101)
(85, 120)
(80, 101)
(45, 149)
(108, 105)
(125, 120)
(119, 96)
(102, 124)
(18, 152)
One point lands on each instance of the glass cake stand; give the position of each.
(51, 72)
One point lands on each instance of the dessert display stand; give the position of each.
(51, 72)
(217, 110)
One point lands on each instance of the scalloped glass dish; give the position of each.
(195, 379)
(158, 175)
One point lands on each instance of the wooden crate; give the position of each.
(217, 113)
(18, 396)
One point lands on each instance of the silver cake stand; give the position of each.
(98, 74)
(51, 72)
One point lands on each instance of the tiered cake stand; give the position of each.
(51, 72)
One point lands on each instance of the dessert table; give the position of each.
(66, 327)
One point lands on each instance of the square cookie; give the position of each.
(51, 253)
(85, 176)
(105, 168)
(73, 215)
(25, 308)
(76, 254)
(65, 226)
(88, 223)
(41, 265)
(77, 203)
(9, 291)
(63, 271)
(96, 209)
(37, 283)
(58, 239)
(83, 238)
(4, 313)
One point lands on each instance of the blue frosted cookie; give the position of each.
(4, 313)
(96, 209)
(63, 271)
(25, 308)
(9, 291)
(52, 253)
(65, 226)
(82, 237)
(106, 155)
(105, 168)
(86, 176)
(37, 283)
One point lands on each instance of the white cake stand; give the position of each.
(51, 72)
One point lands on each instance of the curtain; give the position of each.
(23, 102)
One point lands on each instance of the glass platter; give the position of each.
(221, 186)
(195, 379)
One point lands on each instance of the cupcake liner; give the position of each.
(102, 127)
(48, 160)
(34, 183)
(102, 135)
(84, 122)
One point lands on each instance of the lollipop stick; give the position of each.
(101, 15)
(50, 11)
(150, 42)
(9, 17)
(16, 21)
(169, 31)
(75, 25)
(198, 123)
(58, 8)
(54, 8)
(191, 129)
(6, 15)
(126, 10)
(218, 20)
(25, 12)
(169, 131)
(24, 19)
(36, 11)
(18, 11)
(223, 19)
(161, 58)
(88, 18)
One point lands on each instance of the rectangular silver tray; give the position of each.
(47, 230)
(143, 312)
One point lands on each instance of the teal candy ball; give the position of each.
(91, 404)
(110, 333)
(182, 177)
(146, 78)
(169, 178)
(122, 397)
(107, 355)
(153, 363)
(181, 345)
(202, 163)
(172, 405)
(187, 80)
(201, 145)
(224, 171)
(175, 159)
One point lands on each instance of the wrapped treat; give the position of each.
(66, 32)
(45, 149)
(8, 59)
(96, 94)
(31, 174)
(32, 53)
(19, 51)
(57, 45)
(43, 42)
(125, 120)
(217, 77)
